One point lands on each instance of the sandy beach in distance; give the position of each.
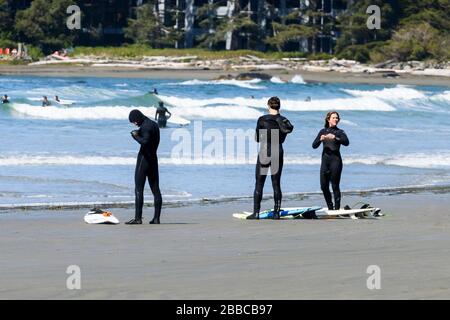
(201, 252)
(189, 74)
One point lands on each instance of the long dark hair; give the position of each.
(329, 114)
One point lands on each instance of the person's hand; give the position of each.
(135, 133)
(330, 136)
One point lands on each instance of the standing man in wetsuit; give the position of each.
(160, 115)
(147, 164)
(271, 131)
(331, 168)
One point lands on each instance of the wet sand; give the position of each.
(201, 252)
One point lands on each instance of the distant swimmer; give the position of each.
(271, 132)
(331, 168)
(160, 115)
(147, 164)
(45, 102)
(57, 99)
(308, 98)
(5, 99)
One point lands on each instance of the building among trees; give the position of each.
(289, 25)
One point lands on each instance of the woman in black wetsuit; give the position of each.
(271, 131)
(331, 168)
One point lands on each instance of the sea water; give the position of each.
(83, 152)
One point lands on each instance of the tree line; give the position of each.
(410, 29)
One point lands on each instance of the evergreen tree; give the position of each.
(43, 24)
(6, 20)
(149, 29)
(292, 27)
(237, 23)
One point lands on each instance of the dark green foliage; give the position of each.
(148, 29)
(43, 25)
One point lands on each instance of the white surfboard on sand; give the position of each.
(98, 216)
(350, 213)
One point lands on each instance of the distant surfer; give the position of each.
(5, 99)
(270, 126)
(155, 91)
(308, 99)
(161, 116)
(331, 168)
(45, 102)
(57, 99)
(147, 164)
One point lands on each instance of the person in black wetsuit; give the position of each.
(271, 131)
(45, 102)
(160, 115)
(5, 99)
(331, 168)
(147, 164)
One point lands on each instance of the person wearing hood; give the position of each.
(147, 164)
(331, 167)
(271, 132)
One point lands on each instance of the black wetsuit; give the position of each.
(5, 101)
(161, 116)
(331, 167)
(147, 163)
(270, 156)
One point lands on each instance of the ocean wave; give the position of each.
(397, 93)
(298, 79)
(88, 113)
(416, 160)
(122, 112)
(74, 92)
(276, 80)
(445, 96)
(248, 84)
(340, 104)
(221, 113)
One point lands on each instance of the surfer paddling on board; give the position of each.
(147, 164)
(271, 131)
(161, 116)
(331, 168)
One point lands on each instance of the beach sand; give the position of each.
(189, 74)
(201, 252)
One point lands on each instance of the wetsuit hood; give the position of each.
(136, 116)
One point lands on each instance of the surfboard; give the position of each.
(316, 213)
(351, 213)
(285, 213)
(98, 216)
(174, 119)
(63, 102)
